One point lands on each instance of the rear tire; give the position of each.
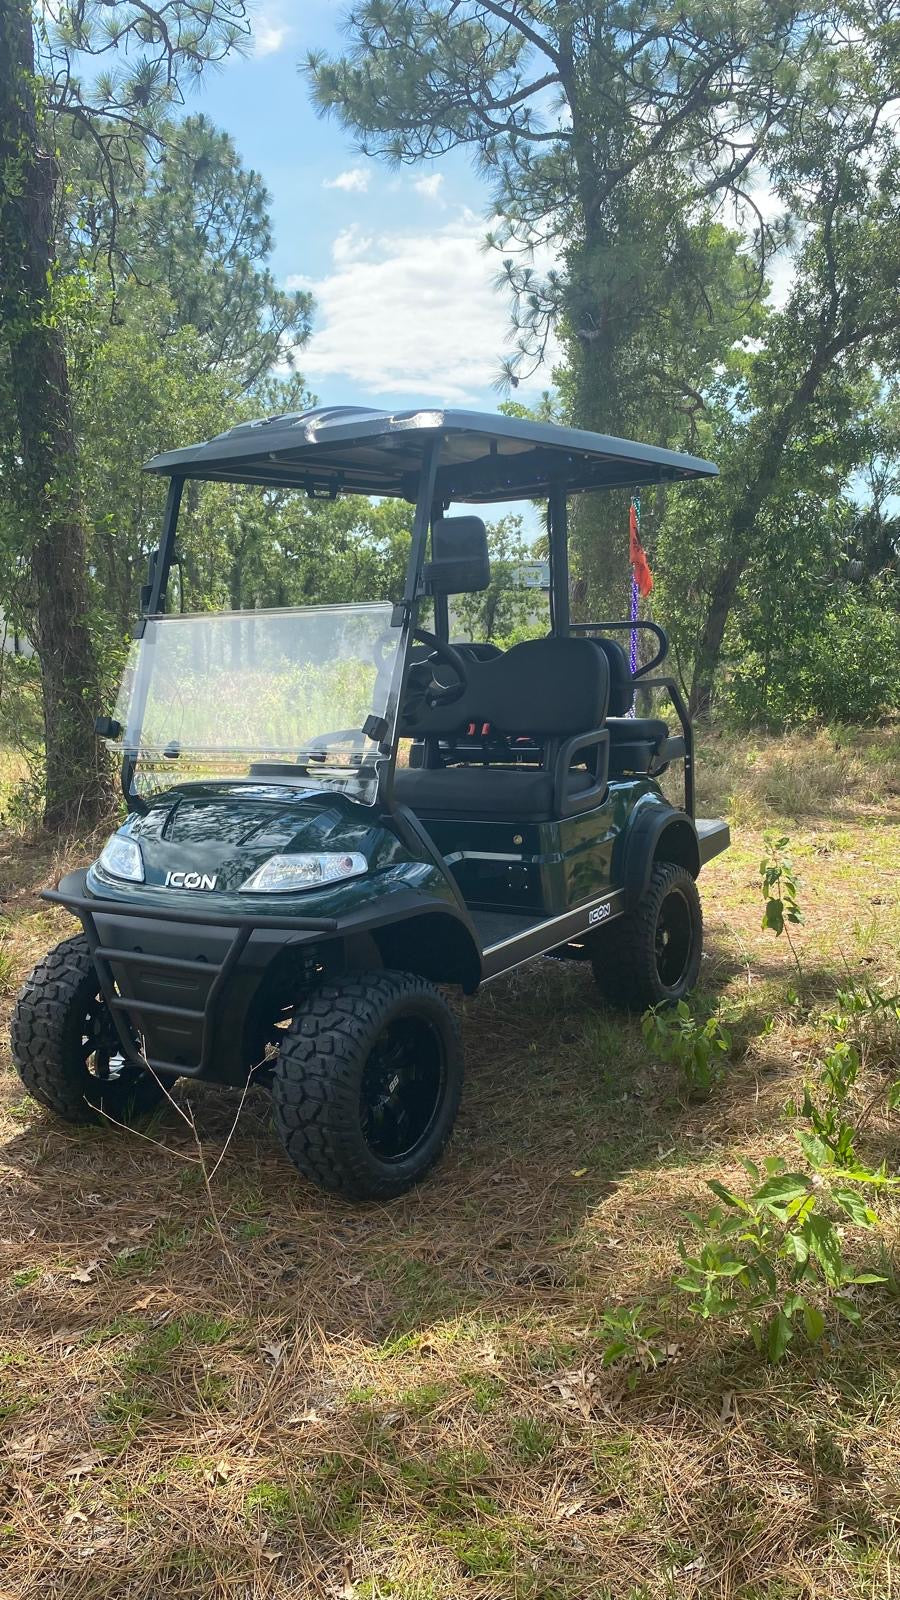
(65, 1048)
(651, 955)
(367, 1084)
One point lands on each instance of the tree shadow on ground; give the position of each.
(562, 1101)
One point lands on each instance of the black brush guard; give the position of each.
(202, 979)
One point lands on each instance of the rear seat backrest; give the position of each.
(621, 683)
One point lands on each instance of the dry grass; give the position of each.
(299, 1398)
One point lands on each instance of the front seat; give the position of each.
(555, 688)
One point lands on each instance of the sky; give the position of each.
(407, 308)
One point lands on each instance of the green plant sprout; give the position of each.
(699, 1049)
(780, 884)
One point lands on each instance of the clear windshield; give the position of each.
(280, 696)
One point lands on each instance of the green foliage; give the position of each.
(773, 1258)
(620, 149)
(779, 884)
(699, 1048)
(631, 1337)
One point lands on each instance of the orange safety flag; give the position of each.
(640, 566)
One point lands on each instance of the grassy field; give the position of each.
(257, 1391)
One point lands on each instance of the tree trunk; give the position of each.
(77, 782)
(710, 647)
(742, 522)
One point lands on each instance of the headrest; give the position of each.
(621, 683)
(459, 556)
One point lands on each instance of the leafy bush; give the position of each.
(837, 667)
(771, 1257)
(698, 1049)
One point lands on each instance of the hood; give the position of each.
(224, 831)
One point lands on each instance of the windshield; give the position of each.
(281, 696)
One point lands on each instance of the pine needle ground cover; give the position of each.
(216, 1382)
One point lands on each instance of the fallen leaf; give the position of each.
(220, 1473)
(305, 1416)
(84, 1274)
(579, 1172)
(273, 1353)
(726, 1409)
(84, 1465)
(145, 1301)
(570, 1510)
(74, 1516)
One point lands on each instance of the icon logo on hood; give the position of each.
(191, 880)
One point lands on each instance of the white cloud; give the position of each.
(429, 186)
(403, 312)
(268, 36)
(354, 181)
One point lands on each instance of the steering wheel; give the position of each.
(424, 696)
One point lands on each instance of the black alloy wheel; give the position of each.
(674, 942)
(651, 955)
(367, 1083)
(65, 1046)
(402, 1087)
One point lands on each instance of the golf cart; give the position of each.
(333, 809)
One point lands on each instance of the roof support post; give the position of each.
(162, 559)
(412, 591)
(441, 601)
(558, 528)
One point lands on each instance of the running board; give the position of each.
(550, 934)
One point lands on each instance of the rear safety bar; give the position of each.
(669, 684)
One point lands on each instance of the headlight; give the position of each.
(122, 858)
(281, 874)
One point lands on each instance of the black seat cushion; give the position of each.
(550, 688)
(513, 792)
(636, 730)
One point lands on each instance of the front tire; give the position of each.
(65, 1048)
(367, 1084)
(651, 956)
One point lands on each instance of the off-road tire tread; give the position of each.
(624, 954)
(41, 1023)
(315, 1087)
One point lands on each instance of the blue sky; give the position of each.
(407, 308)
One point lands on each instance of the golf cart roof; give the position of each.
(336, 450)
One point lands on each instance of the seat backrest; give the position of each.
(621, 683)
(546, 687)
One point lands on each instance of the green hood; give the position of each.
(227, 830)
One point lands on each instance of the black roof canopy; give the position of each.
(354, 450)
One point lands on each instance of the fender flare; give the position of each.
(656, 833)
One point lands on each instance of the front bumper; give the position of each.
(164, 972)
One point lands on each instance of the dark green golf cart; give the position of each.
(333, 810)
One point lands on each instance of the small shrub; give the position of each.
(699, 1049)
(632, 1338)
(776, 1255)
